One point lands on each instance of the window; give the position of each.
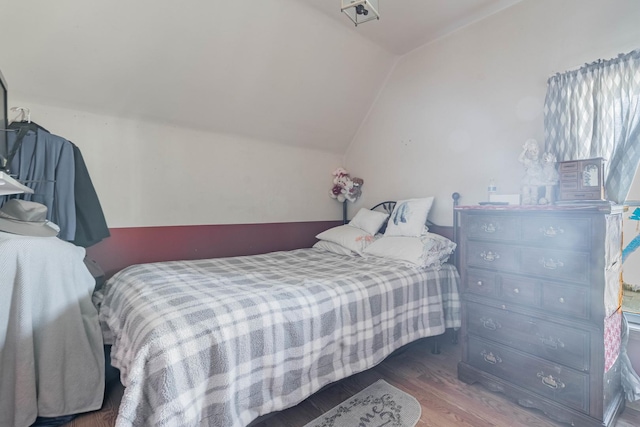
(631, 254)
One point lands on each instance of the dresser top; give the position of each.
(569, 207)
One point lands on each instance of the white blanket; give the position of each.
(51, 351)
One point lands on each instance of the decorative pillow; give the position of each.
(430, 250)
(368, 220)
(440, 250)
(350, 237)
(334, 248)
(409, 217)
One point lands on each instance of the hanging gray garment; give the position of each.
(45, 163)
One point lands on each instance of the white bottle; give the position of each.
(491, 189)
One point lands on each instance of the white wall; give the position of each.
(151, 174)
(455, 113)
(218, 112)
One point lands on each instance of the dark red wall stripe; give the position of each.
(136, 245)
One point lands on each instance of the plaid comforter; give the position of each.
(219, 342)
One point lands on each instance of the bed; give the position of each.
(223, 341)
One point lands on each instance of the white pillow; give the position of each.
(439, 250)
(368, 220)
(430, 250)
(350, 237)
(409, 217)
(334, 248)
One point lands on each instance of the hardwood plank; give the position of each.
(430, 378)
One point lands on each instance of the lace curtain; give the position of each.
(594, 112)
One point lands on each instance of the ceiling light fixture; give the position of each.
(360, 11)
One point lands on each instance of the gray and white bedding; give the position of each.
(219, 342)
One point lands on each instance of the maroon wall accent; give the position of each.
(128, 246)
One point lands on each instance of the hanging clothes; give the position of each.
(55, 169)
(45, 163)
(91, 225)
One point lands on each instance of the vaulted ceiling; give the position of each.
(289, 71)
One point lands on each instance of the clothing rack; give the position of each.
(23, 125)
(10, 185)
(25, 116)
(6, 156)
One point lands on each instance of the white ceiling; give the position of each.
(296, 72)
(405, 25)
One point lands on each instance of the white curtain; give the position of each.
(595, 112)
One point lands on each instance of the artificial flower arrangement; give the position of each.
(345, 187)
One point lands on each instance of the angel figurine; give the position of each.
(532, 180)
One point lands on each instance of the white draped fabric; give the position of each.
(51, 352)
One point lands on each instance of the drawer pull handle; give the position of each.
(550, 382)
(490, 324)
(489, 256)
(552, 343)
(551, 264)
(480, 283)
(561, 300)
(490, 358)
(516, 291)
(551, 231)
(489, 228)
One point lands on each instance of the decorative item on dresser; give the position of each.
(582, 179)
(541, 296)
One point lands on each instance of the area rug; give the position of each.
(379, 405)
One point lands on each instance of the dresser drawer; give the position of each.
(580, 195)
(519, 290)
(557, 232)
(493, 227)
(492, 255)
(566, 300)
(569, 181)
(481, 282)
(565, 265)
(556, 382)
(568, 167)
(548, 340)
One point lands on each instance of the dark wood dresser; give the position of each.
(541, 292)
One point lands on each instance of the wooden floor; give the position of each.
(446, 402)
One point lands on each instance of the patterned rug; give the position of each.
(378, 405)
